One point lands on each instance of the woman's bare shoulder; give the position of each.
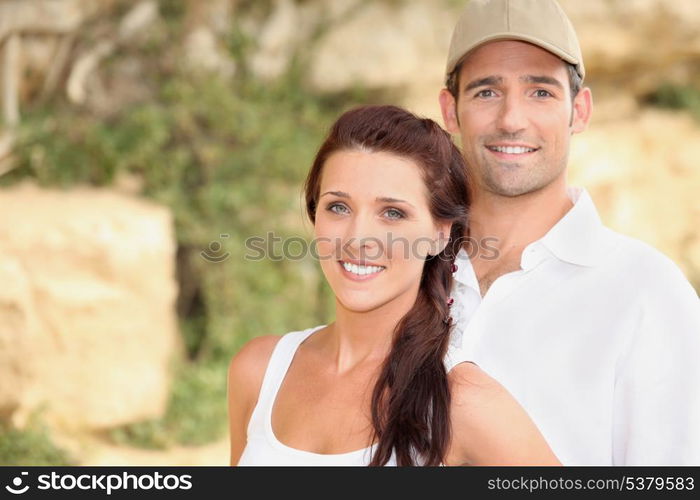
(247, 367)
(470, 386)
(489, 425)
(245, 375)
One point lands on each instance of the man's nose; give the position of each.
(511, 117)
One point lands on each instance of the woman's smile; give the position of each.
(359, 272)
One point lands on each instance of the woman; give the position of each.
(381, 385)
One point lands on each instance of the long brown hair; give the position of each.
(411, 398)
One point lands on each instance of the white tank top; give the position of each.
(263, 448)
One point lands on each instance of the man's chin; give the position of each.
(511, 190)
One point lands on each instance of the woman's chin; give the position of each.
(360, 304)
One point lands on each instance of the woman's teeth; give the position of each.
(361, 270)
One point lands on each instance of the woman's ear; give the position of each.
(442, 236)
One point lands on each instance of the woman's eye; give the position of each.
(337, 208)
(393, 213)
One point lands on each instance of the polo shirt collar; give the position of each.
(577, 238)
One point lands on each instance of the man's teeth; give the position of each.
(511, 150)
(361, 270)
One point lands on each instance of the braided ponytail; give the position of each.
(411, 398)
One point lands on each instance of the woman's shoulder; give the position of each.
(247, 367)
(254, 351)
(470, 385)
(478, 400)
(493, 428)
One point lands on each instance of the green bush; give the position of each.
(228, 157)
(677, 97)
(30, 446)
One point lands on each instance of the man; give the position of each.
(596, 334)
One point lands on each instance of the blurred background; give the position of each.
(143, 141)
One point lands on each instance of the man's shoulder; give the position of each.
(649, 265)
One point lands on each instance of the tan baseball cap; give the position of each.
(540, 22)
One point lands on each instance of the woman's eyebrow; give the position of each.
(392, 200)
(340, 194)
(383, 199)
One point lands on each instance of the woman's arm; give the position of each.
(245, 374)
(489, 427)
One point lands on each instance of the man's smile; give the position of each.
(511, 151)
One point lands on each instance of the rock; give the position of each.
(208, 22)
(276, 41)
(403, 46)
(84, 68)
(637, 43)
(87, 321)
(384, 45)
(202, 52)
(139, 19)
(117, 86)
(43, 16)
(291, 30)
(41, 55)
(216, 15)
(642, 173)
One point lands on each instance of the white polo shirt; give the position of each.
(597, 336)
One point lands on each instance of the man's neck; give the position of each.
(512, 223)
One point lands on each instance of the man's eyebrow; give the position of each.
(384, 199)
(546, 80)
(482, 82)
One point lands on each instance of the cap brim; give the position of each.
(522, 37)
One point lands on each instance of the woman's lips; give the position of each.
(356, 277)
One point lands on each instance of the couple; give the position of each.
(574, 345)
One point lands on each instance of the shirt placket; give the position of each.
(477, 308)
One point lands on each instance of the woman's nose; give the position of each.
(364, 239)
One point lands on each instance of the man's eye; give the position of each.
(542, 93)
(393, 213)
(485, 93)
(337, 208)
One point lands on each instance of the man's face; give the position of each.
(515, 116)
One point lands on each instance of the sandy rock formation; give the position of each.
(87, 319)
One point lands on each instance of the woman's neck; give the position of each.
(355, 338)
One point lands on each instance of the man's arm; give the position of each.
(656, 417)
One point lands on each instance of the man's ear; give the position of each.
(448, 106)
(583, 107)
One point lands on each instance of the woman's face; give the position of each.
(374, 228)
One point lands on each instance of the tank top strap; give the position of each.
(280, 360)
